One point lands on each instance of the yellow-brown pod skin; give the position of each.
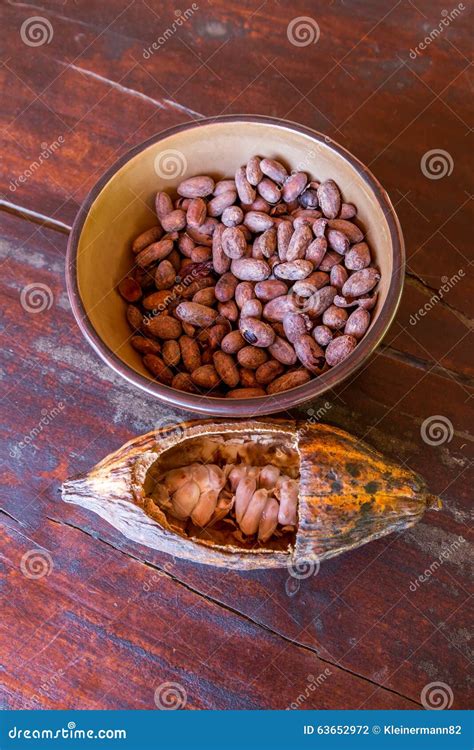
(349, 494)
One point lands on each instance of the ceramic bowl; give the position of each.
(121, 205)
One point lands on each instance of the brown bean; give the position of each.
(267, 372)
(244, 189)
(339, 349)
(322, 335)
(196, 212)
(308, 286)
(361, 282)
(330, 259)
(351, 230)
(250, 269)
(232, 216)
(252, 308)
(293, 186)
(165, 275)
(329, 199)
(268, 190)
(217, 333)
(220, 261)
(205, 377)
(289, 380)
(234, 243)
(252, 357)
(357, 323)
(174, 221)
(274, 169)
(221, 202)
(134, 316)
(257, 221)
(334, 317)
(197, 315)
(155, 251)
(319, 227)
(265, 243)
(338, 276)
(225, 287)
(183, 382)
(294, 270)
(158, 369)
(246, 393)
(256, 332)
(268, 290)
(130, 289)
(295, 325)
(282, 351)
(144, 345)
(304, 216)
(284, 235)
(247, 377)
(190, 353)
(164, 327)
(186, 245)
(276, 309)
(158, 301)
(229, 310)
(196, 187)
(309, 353)
(244, 291)
(206, 296)
(253, 172)
(188, 290)
(201, 253)
(226, 368)
(299, 243)
(348, 211)
(223, 186)
(321, 300)
(232, 342)
(147, 238)
(171, 353)
(163, 204)
(358, 257)
(337, 241)
(199, 237)
(259, 204)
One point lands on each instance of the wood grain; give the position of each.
(114, 620)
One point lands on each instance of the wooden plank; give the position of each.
(358, 611)
(100, 630)
(236, 57)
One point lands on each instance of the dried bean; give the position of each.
(196, 187)
(361, 282)
(289, 380)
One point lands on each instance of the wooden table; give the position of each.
(112, 621)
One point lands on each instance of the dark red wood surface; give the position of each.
(112, 620)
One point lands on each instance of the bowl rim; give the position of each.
(271, 403)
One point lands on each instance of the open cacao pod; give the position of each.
(250, 495)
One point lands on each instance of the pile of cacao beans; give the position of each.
(249, 286)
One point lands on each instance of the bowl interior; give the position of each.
(124, 208)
